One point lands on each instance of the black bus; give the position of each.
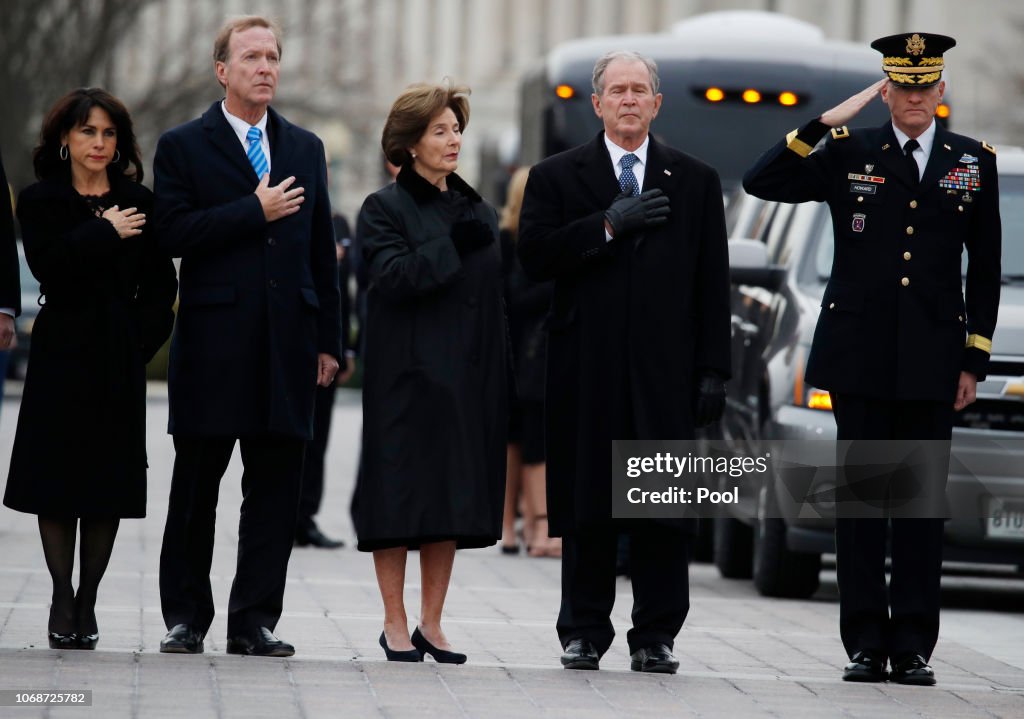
(733, 82)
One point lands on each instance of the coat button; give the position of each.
(273, 283)
(905, 281)
(910, 230)
(860, 198)
(831, 305)
(906, 255)
(271, 241)
(959, 208)
(913, 204)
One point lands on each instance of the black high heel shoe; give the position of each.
(62, 641)
(406, 655)
(441, 656)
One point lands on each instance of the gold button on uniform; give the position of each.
(960, 208)
(831, 305)
(906, 255)
(960, 317)
(913, 204)
(910, 230)
(905, 281)
(860, 198)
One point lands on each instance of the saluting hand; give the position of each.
(279, 201)
(127, 222)
(845, 111)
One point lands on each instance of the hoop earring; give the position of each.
(117, 156)
(63, 152)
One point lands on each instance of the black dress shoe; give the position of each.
(263, 644)
(404, 655)
(441, 656)
(182, 639)
(580, 654)
(865, 666)
(87, 641)
(656, 659)
(313, 537)
(912, 669)
(57, 640)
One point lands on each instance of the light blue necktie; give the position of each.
(255, 154)
(627, 180)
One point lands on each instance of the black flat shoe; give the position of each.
(913, 670)
(656, 659)
(510, 549)
(406, 655)
(865, 666)
(580, 654)
(62, 641)
(441, 656)
(263, 644)
(87, 641)
(182, 639)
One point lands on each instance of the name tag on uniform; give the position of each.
(866, 178)
(863, 188)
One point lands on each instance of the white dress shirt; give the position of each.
(241, 128)
(921, 154)
(639, 167)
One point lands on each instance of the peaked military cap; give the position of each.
(913, 59)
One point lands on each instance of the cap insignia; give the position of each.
(915, 44)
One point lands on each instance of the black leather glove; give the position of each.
(629, 214)
(710, 402)
(470, 236)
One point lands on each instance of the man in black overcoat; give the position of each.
(10, 280)
(241, 198)
(638, 348)
(896, 345)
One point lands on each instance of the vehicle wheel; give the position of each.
(734, 548)
(779, 571)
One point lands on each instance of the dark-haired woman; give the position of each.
(435, 392)
(79, 456)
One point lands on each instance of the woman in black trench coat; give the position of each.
(435, 392)
(79, 456)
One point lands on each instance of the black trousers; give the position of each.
(659, 572)
(313, 467)
(904, 620)
(266, 529)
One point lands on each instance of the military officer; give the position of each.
(895, 344)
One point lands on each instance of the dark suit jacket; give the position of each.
(258, 301)
(893, 321)
(10, 281)
(633, 321)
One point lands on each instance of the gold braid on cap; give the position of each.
(914, 79)
(930, 61)
(914, 70)
(903, 61)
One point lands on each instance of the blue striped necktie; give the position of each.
(627, 180)
(255, 154)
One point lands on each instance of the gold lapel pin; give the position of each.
(947, 147)
(886, 146)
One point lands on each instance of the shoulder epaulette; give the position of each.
(840, 133)
(988, 147)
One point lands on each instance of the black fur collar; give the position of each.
(422, 191)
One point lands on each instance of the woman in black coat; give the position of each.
(435, 391)
(79, 456)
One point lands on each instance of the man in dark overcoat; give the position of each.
(895, 345)
(638, 349)
(10, 279)
(241, 198)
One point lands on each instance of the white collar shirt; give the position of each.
(241, 128)
(925, 140)
(617, 152)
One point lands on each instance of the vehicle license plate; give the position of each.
(1005, 521)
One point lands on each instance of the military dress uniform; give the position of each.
(894, 330)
